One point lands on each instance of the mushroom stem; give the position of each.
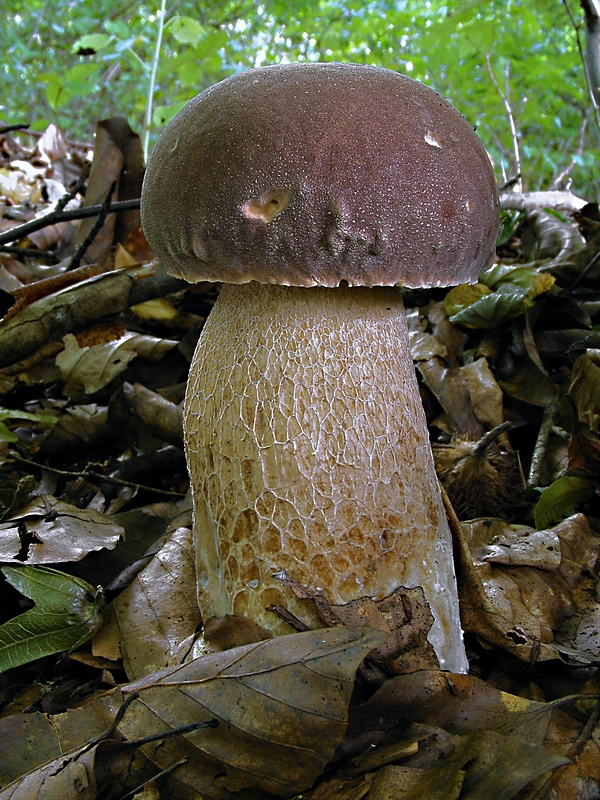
(308, 451)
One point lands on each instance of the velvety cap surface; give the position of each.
(313, 174)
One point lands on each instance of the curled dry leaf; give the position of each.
(74, 778)
(450, 389)
(52, 531)
(460, 704)
(447, 736)
(474, 767)
(486, 395)
(520, 607)
(86, 370)
(281, 705)
(584, 451)
(404, 617)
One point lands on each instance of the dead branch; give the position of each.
(531, 201)
(75, 307)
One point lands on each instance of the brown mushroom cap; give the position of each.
(313, 174)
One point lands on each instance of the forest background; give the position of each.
(514, 69)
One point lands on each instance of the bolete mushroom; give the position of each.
(313, 191)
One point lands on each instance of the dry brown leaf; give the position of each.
(281, 704)
(460, 704)
(443, 766)
(73, 778)
(118, 159)
(486, 395)
(56, 531)
(519, 545)
(520, 607)
(475, 742)
(423, 345)
(404, 617)
(578, 780)
(86, 370)
(158, 613)
(450, 389)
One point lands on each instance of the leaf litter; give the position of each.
(93, 365)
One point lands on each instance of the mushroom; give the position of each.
(314, 191)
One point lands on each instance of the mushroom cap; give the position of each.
(314, 174)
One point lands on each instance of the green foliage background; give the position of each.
(76, 61)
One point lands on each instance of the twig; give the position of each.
(150, 97)
(74, 191)
(541, 445)
(546, 790)
(94, 230)
(589, 59)
(530, 201)
(585, 271)
(580, 147)
(79, 305)
(32, 252)
(158, 775)
(20, 231)
(16, 127)
(505, 97)
(89, 473)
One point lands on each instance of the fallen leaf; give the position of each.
(561, 498)
(158, 613)
(54, 531)
(520, 607)
(460, 704)
(281, 705)
(485, 394)
(86, 370)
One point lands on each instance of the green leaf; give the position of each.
(67, 613)
(187, 30)
(6, 435)
(164, 114)
(89, 44)
(560, 499)
(210, 44)
(54, 90)
(492, 310)
(78, 79)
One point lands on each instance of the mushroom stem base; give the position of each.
(308, 451)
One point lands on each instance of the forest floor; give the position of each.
(99, 589)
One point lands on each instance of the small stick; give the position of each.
(539, 451)
(94, 230)
(20, 231)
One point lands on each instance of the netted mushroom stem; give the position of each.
(308, 451)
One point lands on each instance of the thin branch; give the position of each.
(590, 47)
(505, 97)
(541, 446)
(20, 231)
(94, 230)
(152, 83)
(92, 475)
(580, 147)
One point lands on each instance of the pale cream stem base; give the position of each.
(309, 452)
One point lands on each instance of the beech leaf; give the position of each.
(493, 310)
(281, 704)
(55, 531)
